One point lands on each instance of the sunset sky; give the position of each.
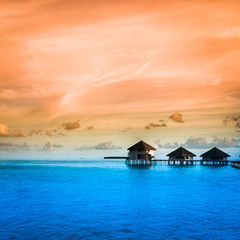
(83, 79)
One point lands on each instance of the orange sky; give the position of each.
(118, 66)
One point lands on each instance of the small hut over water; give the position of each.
(181, 156)
(214, 157)
(141, 153)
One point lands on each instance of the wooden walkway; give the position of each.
(194, 162)
(186, 162)
(234, 163)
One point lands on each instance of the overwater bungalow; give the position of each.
(181, 156)
(141, 153)
(214, 157)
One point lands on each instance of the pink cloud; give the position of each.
(49, 133)
(71, 125)
(3, 130)
(90, 127)
(61, 134)
(18, 133)
(177, 117)
(36, 132)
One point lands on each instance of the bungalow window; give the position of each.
(142, 156)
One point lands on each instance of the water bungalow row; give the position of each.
(142, 153)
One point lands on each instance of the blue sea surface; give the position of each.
(109, 200)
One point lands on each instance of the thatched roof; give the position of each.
(181, 152)
(214, 153)
(141, 146)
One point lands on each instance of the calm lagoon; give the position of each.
(108, 200)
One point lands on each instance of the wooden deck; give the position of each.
(236, 164)
(178, 162)
(233, 163)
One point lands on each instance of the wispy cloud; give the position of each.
(8, 146)
(48, 132)
(18, 133)
(37, 132)
(233, 120)
(158, 144)
(61, 134)
(223, 142)
(90, 127)
(201, 142)
(3, 130)
(229, 33)
(100, 146)
(126, 129)
(49, 146)
(71, 125)
(177, 117)
(155, 125)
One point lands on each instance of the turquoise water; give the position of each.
(108, 200)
